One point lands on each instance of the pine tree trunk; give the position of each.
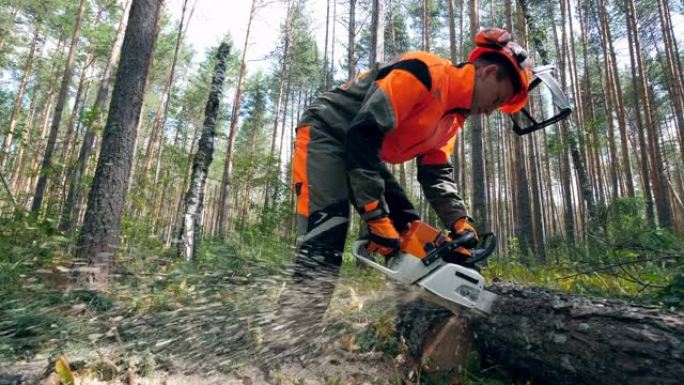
(99, 236)
(46, 106)
(9, 135)
(426, 25)
(19, 173)
(70, 135)
(672, 71)
(46, 165)
(332, 49)
(479, 179)
(584, 184)
(657, 173)
(157, 136)
(523, 217)
(326, 72)
(452, 31)
(232, 135)
(608, 88)
(622, 124)
(279, 104)
(351, 43)
(377, 45)
(74, 180)
(643, 151)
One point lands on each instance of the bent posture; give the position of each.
(411, 107)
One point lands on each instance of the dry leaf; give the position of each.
(64, 372)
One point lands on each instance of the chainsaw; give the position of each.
(426, 259)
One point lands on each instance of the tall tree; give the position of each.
(232, 133)
(657, 171)
(524, 227)
(351, 41)
(377, 52)
(585, 187)
(479, 179)
(425, 18)
(672, 70)
(57, 116)
(634, 49)
(99, 236)
(162, 113)
(326, 74)
(75, 176)
(7, 143)
(283, 70)
(194, 198)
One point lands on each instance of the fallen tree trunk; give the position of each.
(561, 338)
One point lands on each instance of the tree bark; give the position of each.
(326, 74)
(426, 24)
(74, 180)
(377, 53)
(524, 229)
(57, 117)
(479, 179)
(194, 199)
(99, 237)
(561, 338)
(351, 43)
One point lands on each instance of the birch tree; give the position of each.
(194, 198)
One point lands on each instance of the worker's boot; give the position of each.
(297, 327)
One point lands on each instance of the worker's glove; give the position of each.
(383, 237)
(462, 226)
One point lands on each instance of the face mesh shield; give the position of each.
(546, 95)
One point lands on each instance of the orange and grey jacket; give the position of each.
(410, 107)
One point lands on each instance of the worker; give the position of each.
(411, 107)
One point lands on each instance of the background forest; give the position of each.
(594, 204)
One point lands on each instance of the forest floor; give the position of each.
(170, 322)
(197, 325)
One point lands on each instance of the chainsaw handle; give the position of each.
(467, 239)
(484, 249)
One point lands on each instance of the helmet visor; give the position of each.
(553, 105)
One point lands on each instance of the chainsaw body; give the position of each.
(421, 261)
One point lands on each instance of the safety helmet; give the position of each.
(498, 41)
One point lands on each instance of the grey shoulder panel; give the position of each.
(416, 67)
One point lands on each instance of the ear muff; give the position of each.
(498, 41)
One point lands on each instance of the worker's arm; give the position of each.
(435, 176)
(396, 92)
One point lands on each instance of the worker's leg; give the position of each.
(319, 176)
